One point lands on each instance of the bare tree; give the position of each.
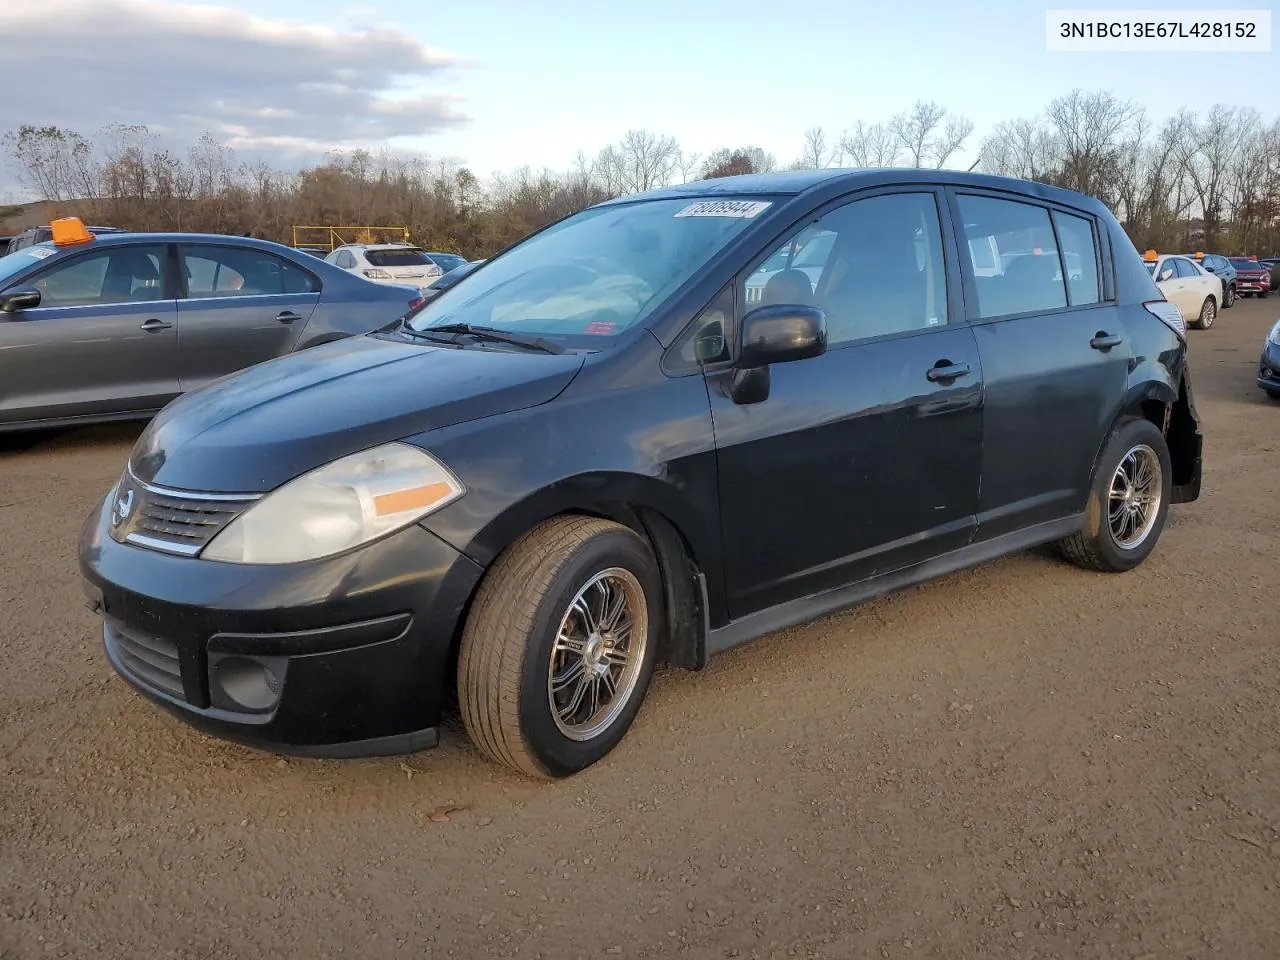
(929, 133)
(1089, 129)
(641, 160)
(1208, 156)
(1018, 148)
(55, 163)
(871, 145)
(816, 153)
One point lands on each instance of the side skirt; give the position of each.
(794, 612)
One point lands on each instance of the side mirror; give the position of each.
(23, 298)
(781, 333)
(1166, 275)
(1209, 268)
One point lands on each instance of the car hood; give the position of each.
(256, 429)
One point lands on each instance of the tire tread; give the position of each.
(495, 638)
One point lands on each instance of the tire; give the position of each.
(524, 619)
(1229, 298)
(1263, 294)
(1208, 313)
(1098, 546)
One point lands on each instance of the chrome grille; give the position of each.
(175, 521)
(153, 660)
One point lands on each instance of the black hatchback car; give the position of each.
(597, 454)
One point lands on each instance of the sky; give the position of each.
(505, 83)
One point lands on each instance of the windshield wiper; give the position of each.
(492, 335)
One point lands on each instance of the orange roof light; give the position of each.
(69, 231)
(1199, 254)
(1150, 256)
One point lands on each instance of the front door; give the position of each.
(243, 306)
(103, 340)
(865, 459)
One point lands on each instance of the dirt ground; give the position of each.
(1024, 760)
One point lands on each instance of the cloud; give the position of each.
(256, 84)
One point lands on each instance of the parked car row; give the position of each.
(114, 325)
(597, 452)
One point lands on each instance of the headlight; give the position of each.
(1274, 335)
(338, 506)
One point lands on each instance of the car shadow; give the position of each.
(59, 438)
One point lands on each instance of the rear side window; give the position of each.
(1029, 277)
(1079, 253)
(215, 272)
(1185, 269)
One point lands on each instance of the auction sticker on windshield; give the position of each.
(745, 209)
(40, 252)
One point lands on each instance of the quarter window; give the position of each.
(874, 266)
(241, 272)
(1080, 254)
(114, 275)
(1029, 275)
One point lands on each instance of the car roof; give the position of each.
(797, 182)
(123, 238)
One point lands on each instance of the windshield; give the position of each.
(396, 257)
(1244, 262)
(15, 263)
(596, 273)
(1151, 268)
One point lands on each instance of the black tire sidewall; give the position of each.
(1128, 434)
(552, 750)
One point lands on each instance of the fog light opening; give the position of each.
(251, 684)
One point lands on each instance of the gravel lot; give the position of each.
(1024, 760)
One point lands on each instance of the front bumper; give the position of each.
(1269, 368)
(340, 657)
(1253, 286)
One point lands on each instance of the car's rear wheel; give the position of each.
(1128, 502)
(559, 648)
(1208, 313)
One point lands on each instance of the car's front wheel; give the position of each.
(1229, 297)
(559, 647)
(1128, 502)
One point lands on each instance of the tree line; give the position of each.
(1208, 181)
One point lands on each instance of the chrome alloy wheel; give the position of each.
(1136, 492)
(597, 655)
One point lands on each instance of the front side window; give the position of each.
(597, 273)
(1185, 268)
(1030, 277)
(110, 276)
(215, 271)
(874, 267)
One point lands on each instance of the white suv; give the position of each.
(399, 263)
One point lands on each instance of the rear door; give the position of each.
(103, 340)
(242, 306)
(1055, 357)
(865, 459)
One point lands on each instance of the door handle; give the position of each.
(946, 370)
(287, 316)
(1105, 341)
(155, 324)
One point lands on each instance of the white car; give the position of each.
(1188, 286)
(399, 263)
